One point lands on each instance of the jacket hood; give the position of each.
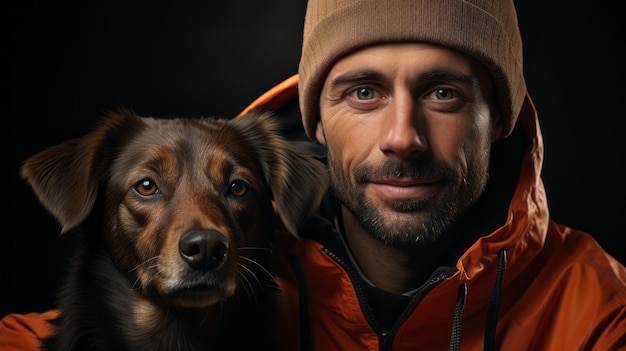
(525, 228)
(518, 274)
(517, 159)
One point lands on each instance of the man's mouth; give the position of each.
(404, 188)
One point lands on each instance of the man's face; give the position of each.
(408, 129)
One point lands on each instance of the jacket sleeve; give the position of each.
(24, 331)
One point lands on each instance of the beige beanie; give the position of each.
(484, 29)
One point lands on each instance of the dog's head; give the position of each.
(182, 203)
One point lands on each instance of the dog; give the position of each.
(175, 221)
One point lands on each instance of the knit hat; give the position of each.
(484, 29)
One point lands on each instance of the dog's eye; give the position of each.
(238, 188)
(146, 187)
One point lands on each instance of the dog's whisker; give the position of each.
(243, 283)
(154, 266)
(243, 278)
(143, 263)
(138, 282)
(251, 274)
(246, 283)
(255, 248)
(259, 265)
(135, 283)
(206, 314)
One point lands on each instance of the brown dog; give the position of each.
(175, 219)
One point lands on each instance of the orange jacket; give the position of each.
(550, 287)
(558, 289)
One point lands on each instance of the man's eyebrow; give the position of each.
(443, 74)
(355, 77)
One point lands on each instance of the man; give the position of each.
(436, 234)
(440, 236)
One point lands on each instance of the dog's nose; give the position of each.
(203, 249)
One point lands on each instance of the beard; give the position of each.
(408, 222)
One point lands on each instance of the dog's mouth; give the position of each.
(199, 296)
(197, 293)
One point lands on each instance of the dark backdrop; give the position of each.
(67, 62)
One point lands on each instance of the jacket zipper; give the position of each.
(358, 289)
(385, 337)
(386, 340)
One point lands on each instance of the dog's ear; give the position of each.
(298, 181)
(66, 177)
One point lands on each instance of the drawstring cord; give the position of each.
(492, 309)
(494, 303)
(455, 339)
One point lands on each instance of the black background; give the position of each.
(67, 62)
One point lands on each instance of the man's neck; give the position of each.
(393, 269)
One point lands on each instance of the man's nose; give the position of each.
(403, 134)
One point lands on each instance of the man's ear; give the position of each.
(319, 133)
(497, 126)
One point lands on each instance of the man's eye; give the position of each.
(364, 93)
(443, 94)
(146, 187)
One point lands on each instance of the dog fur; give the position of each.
(174, 220)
